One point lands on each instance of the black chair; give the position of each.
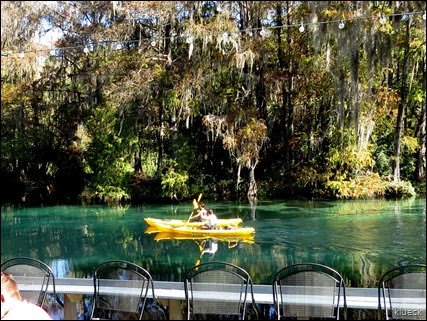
(132, 285)
(308, 290)
(402, 293)
(218, 288)
(38, 275)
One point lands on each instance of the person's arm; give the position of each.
(194, 217)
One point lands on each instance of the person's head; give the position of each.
(210, 212)
(9, 292)
(9, 289)
(201, 205)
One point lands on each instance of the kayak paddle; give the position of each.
(195, 205)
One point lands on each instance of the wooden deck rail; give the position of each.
(172, 293)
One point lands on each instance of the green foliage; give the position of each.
(349, 162)
(313, 112)
(368, 185)
(149, 164)
(184, 153)
(308, 177)
(410, 144)
(382, 163)
(110, 180)
(174, 183)
(109, 161)
(106, 193)
(408, 157)
(420, 188)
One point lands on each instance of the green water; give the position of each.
(360, 239)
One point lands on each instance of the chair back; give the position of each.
(306, 290)
(37, 274)
(131, 285)
(217, 288)
(402, 293)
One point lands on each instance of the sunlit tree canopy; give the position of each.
(146, 100)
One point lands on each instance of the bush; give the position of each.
(399, 189)
(174, 183)
(367, 185)
(420, 187)
(104, 194)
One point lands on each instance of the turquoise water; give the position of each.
(360, 239)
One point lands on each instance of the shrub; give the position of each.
(174, 183)
(367, 185)
(399, 189)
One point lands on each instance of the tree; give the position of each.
(402, 103)
(144, 97)
(243, 137)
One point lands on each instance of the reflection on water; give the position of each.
(206, 244)
(361, 239)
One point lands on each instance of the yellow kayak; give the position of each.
(232, 222)
(173, 236)
(152, 229)
(186, 230)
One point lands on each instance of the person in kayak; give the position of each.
(202, 213)
(211, 220)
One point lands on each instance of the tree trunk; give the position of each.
(421, 163)
(355, 91)
(168, 47)
(253, 190)
(252, 212)
(402, 106)
(243, 15)
(260, 91)
(160, 139)
(279, 35)
(239, 168)
(138, 161)
(341, 109)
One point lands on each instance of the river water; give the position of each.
(360, 239)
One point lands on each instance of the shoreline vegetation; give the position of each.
(160, 101)
(349, 190)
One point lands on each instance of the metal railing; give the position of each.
(172, 293)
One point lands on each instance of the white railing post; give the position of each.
(70, 305)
